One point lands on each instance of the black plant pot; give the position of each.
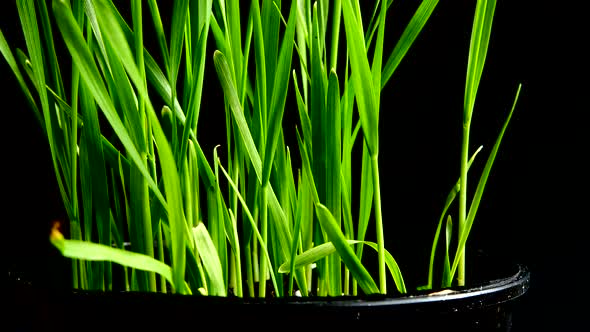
(486, 305)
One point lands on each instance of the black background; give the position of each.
(533, 210)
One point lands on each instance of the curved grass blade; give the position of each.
(360, 273)
(98, 252)
(323, 250)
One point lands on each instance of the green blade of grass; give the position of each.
(449, 200)
(261, 97)
(279, 94)
(353, 263)
(480, 187)
(159, 28)
(378, 52)
(323, 250)
(195, 93)
(179, 12)
(447, 278)
(130, 108)
(97, 252)
(318, 92)
(336, 19)
(82, 57)
(365, 198)
(59, 158)
(303, 114)
(52, 64)
(480, 37)
(302, 216)
(252, 222)
(211, 262)
(9, 57)
(409, 35)
(480, 34)
(80, 53)
(96, 174)
(92, 16)
(174, 206)
(361, 73)
(217, 224)
(270, 29)
(333, 177)
(231, 95)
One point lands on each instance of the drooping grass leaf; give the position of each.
(318, 252)
(353, 263)
(97, 252)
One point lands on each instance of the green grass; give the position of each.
(122, 124)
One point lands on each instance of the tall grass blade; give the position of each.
(231, 95)
(279, 93)
(480, 34)
(82, 57)
(480, 187)
(449, 200)
(361, 73)
(333, 177)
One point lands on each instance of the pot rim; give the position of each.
(491, 292)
